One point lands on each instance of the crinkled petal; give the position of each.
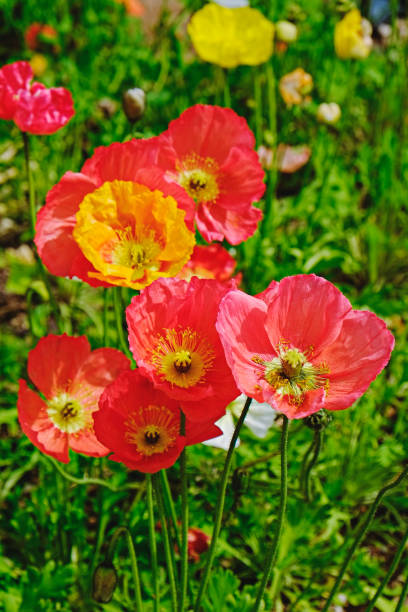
(54, 363)
(360, 352)
(85, 442)
(307, 312)
(43, 111)
(13, 78)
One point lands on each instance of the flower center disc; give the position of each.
(182, 357)
(66, 413)
(198, 176)
(152, 429)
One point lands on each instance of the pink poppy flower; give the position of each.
(33, 107)
(209, 151)
(301, 347)
(173, 339)
(141, 424)
(71, 378)
(131, 161)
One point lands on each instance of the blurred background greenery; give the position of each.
(343, 216)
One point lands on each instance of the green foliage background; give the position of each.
(343, 216)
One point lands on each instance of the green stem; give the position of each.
(152, 541)
(227, 93)
(361, 533)
(166, 542)
(184, 520)
(168, 501)
(317, 446)
(106, 296)
(220, 506)
(33, 219)
(87, 481)
(403, 596)
(273, 551)
(305, 463)
(133, 560)
(258, 106)
(31, 192)
(118, 307)
(390, 572)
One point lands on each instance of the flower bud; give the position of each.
(104, 582)
(286, 31)
(134, 103)
(328, 113)
(319, 420)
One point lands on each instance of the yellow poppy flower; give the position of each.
(230, 37)
(352, 36)
(131, 234)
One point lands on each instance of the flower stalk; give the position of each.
(273, 551)
(361, 533)
(152, 542)
(184, 520)
(220, 506)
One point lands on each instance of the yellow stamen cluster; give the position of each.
(138, 253)
(182, 357)
(292, 374)
(67, 414)
(152, 429)
(198, 176)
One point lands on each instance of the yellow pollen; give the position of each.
(152, 429)
(138, 254)
(182, 358)
(198, 176)
(291, 374)
(67, 414)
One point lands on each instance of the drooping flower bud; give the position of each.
(134, 103)
(286, 31)
(328, 113)
(319, 420)
(104, 582)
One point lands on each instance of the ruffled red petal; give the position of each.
(37, 426)
(55, 222)
(360, 352)
(42, 110)
(307, 312)
(13, 78)
(55, 362)
(85, 442)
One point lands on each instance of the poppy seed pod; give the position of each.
(134, 103)
(104, 582)
(319, 420)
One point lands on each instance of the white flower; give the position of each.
(328, 113)
(259, 419)
(232, 3)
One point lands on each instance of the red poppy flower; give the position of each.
(301, 347)
(197, 543)
(130, 163)
(209, 151)
(33, 107)
(39, 29)
(212, 261)
(141, 424)
(71, 378)
(173, 338)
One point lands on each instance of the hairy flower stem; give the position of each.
(152, 542)
(169, 504)
(220, 506)
(184, 520)
(166, 541)
(33, 220)
(227, 93)
(403, 596)
(106, 297)
(258, 106)
(118, 307)
(273, 551)
(133, 560)
(390, 572)
(317, 443)
(361, 533)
